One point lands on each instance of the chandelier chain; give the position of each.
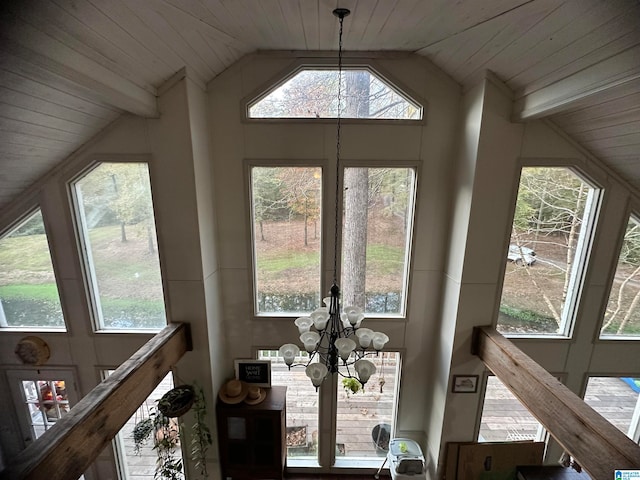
(338, 131)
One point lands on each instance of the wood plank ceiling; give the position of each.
(68, 68)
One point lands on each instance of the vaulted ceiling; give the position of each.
(68, 68)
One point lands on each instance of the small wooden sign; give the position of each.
(255, 372)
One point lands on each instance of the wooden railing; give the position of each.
(66, 450)
(598, 446)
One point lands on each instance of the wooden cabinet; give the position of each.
(252, 437)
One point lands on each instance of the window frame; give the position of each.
(411, 232)
(30, 210)
(582, 261)
(249, 164)
(327, 225)
(632, 212)
(86, 260)
(351, 63)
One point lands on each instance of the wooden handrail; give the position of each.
(598, 446)
(75, 441)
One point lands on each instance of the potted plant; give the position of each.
(177, 401)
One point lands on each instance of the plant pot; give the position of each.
(177, 401)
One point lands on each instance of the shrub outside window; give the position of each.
(552, 229)
(117, 227)
(28, 292)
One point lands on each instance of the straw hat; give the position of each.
(234, 391)
(255, 395)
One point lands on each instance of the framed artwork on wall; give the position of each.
(255, 372)
(465, 384)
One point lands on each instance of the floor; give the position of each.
(334, 477)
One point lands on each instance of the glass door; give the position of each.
(42, 398)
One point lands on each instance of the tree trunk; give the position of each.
(356, 196)
(123, 232)
(356, 182)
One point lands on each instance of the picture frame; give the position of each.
(254, 372)
(465, 383)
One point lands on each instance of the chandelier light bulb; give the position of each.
(354, 315)
(379, 341)
(310, 340)
(365, 369)
(365, 335)
(289, 352)
(303, 324)
(320, 317)
(316, 372)
(345, 347)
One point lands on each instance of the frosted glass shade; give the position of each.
(354, 315)
(320, 318)
(365, 335)
(379, 340)
(310, 340)
(345, 346)
(303, 324)
(365, 369)
(288, 352)
(316, 372)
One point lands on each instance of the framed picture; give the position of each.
(465, 384)
(256, 372)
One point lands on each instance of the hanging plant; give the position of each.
(200, 434)
(162, 424)
(141, 433)
(351, 385)
(177, 401)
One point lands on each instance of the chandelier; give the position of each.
(329, 336)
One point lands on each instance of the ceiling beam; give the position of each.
(88, 78)
(598, 446)
(579, 88)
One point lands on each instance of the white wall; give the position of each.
(492, 151)
(176, 147)
(468, 154)
(429, 145)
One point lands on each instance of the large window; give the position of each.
(286, 218)
(312, 93)
(140, 463)
(504, 417)
(365, 417)
(622, 316)
(118, 233)
(378, 215)
(617, 400)
(28, 291)
(553, 221)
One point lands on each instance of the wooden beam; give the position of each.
(574, 90)
(75, 441)
(598, 446)
(82, 76)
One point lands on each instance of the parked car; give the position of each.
(521, 255)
